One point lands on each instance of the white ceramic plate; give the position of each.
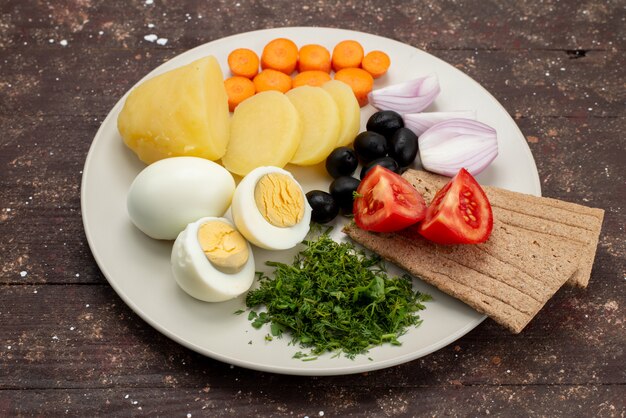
(137, 267)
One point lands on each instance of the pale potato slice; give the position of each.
(320, 124)
(183, 112)
(349, 110)
(264, 130)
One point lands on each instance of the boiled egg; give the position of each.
(171, 193)
(212, 261)
(270, 209)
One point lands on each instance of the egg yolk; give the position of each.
(279, 199)
(224, 246)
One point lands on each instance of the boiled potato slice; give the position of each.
(264, 130)
(349, 110)
(183, 112)
(320, 124)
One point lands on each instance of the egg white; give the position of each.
(195, 274)
(251, 223)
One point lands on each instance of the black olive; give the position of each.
(370, 146)
(341, 162)
(403, 146)
(385, 122)
(401, 170)
(323, 205)
(342, 189)
(386, 162)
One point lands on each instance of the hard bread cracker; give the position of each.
(511, 276)
(573, 223)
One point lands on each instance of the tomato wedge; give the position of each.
(386, 202)
(460, 213)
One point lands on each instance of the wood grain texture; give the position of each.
(302, 400)
(69, 345)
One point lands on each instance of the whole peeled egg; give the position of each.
(169, 194)
(211, 260)
(270, 209)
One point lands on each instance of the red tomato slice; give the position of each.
(386, 202)
(460, 213)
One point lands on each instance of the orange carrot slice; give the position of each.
(243, 62)
(280, 54)
(347, 54)
(238, 89)
(269, 79)
(360, 81)
(313, 78)
(314, 57)
(376, 63)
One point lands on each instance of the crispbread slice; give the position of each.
(569, 221)
(532, 251)
(572, 223)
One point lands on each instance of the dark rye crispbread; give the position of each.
(570, 222)
(509, 278)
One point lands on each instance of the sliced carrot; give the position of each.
(347, 54)
(313, 78)
(280, 54)
(243, 62)
(272, 80)
(376, 63)
(314, 57)
(360, 81)
(238, 89)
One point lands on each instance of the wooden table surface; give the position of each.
(70, 346)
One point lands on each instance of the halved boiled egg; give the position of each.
(212, 261)
(270, 209)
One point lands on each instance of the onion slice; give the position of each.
(409, 97)
(420, 122)
(448, 146)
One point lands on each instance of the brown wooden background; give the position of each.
(70, 346)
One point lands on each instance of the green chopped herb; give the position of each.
(335, 298)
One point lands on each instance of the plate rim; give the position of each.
(326, 371)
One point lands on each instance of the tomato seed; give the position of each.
(466, 218)
(472, 217)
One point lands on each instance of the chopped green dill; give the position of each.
(335, 298)
(304, 356)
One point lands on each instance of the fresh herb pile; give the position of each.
(335, 298)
